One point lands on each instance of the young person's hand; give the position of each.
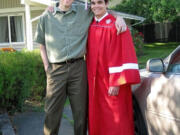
(113, 91)
(120, 25)
(50, 9)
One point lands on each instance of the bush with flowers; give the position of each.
(138, 39)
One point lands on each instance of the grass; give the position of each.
(156, 50)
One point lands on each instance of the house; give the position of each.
(18, 20)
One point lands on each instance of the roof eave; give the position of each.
(38, 2)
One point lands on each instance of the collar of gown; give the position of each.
(100, 19)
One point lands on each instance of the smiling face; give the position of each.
(99, 7)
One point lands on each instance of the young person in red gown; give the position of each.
(112, 69)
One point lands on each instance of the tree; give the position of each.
(152, 10)
(177, 5)
(163, 10)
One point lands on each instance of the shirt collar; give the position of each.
(98, 20)
(56, 9)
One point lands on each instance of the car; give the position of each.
(156, 100)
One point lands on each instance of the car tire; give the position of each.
(139, 124)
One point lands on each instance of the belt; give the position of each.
(71, 60)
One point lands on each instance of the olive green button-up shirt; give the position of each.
(64, 34)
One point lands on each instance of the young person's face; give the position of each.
(98, 7)
(66, 3)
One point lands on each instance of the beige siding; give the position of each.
(10, 4)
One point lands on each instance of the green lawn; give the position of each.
(156, 50)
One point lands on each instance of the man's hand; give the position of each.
(50, 9)
(46, 67)
(113, 91)
(120, 25)
(44, 56)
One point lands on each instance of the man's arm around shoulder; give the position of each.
(120, 23)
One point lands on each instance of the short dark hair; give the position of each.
(106, 1)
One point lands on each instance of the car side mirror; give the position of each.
(155, 65)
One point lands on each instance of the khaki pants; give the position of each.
(66, 80)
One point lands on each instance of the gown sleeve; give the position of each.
(122, 63)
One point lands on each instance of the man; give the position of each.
(112, 68)
(62, 36)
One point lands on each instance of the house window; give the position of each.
(4, 32)
(11, 29)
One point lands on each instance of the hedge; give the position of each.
(21, 76)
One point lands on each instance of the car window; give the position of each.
(175, 64)
(175, 68)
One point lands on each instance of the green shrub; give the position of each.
(21, 76)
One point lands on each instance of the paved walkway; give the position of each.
(5, 125)
(31, 123)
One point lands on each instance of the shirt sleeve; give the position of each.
(40, 32)
(85, 12)
(122, 64)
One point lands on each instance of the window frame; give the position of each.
(10, 43)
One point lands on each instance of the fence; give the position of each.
(161, 32)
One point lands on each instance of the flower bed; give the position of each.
(8, 49)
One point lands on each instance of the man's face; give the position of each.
(99, 7)
(66, 3)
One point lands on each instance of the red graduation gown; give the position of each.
(111, 61)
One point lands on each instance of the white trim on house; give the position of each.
(29, 35)
(20, 9)
(41, 2)
(129, 16)
(29, 20)
(10, 43)
(9, 29)
(35, 18)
